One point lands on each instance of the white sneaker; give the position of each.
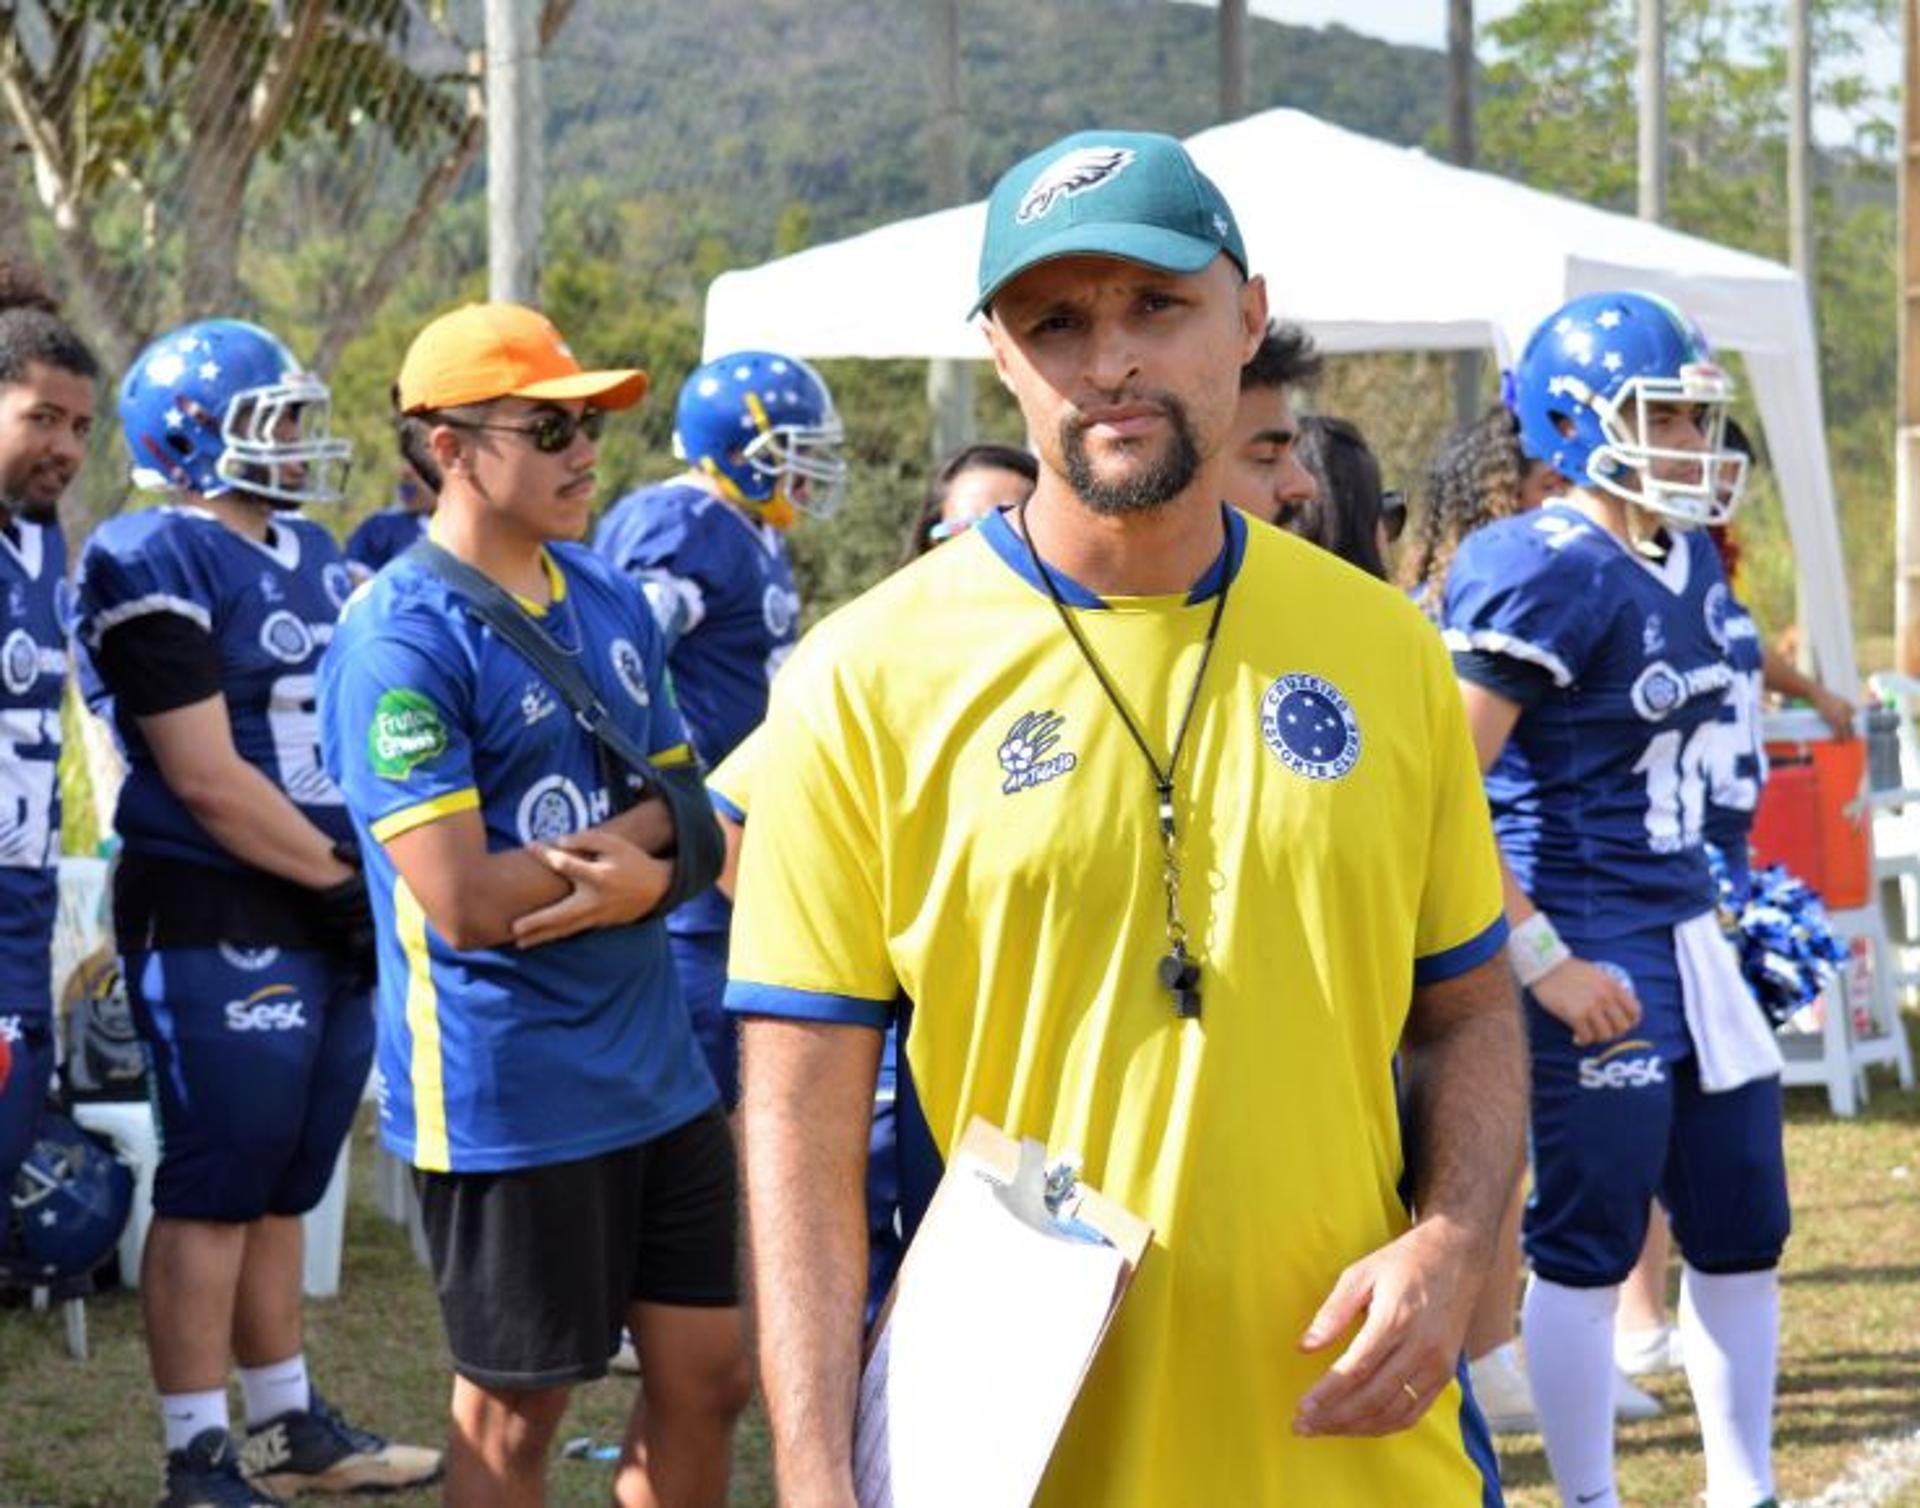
(1646, 1353)
(625, 1361)
(1631, 1405)
(1501, 1389)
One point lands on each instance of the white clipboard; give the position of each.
(1010, 1285)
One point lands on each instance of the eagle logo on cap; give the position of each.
(1078, 171)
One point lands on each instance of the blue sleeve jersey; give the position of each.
(33, 670)
(1736, 776)
(381, 536)
(721, 589)
(1600, 795)
(270, 609)
(496, 1058)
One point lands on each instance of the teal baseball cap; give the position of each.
(1135, 195)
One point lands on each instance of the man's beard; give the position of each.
(40, 513)
(1161, 480)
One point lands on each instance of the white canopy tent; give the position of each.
(1372, 247)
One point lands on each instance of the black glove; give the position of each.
(344, 915)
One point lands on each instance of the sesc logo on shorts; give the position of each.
(1310, 727)
(276, 1008)
(1613, 1070)
(406, 733)
(1076, 172)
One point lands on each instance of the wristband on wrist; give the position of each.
(1535, 950)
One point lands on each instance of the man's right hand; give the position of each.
(1592, 1002)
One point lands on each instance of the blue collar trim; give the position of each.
(999, 532)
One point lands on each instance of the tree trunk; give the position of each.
(220, 146)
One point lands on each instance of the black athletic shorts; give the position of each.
(535, 1268)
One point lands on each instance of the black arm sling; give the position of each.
(631, 774)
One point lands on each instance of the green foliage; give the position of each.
(1558, 112)
(687, 140)
(674, 158)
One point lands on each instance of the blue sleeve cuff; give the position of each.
(1437, 968)
(748, 999)
(725, 806)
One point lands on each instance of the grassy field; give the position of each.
(85, 1434)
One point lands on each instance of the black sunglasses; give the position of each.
(552, 431)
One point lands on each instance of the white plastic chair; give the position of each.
(1838, 1057)
(1896, 830)
(129, 1126)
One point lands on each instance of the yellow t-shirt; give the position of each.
(958, 815)
(730, 783)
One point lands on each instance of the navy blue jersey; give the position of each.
(506, 1057)
(1600, 795)
(33, 671)
(1735, 778)
(721, 588)
(380, 536)
(269, 608)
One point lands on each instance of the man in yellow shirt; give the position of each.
(1170, 827)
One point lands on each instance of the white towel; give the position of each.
(1732, 1043)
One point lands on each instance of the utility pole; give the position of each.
(514, 121)
(1233, 59)
(1800, 216)
(1653, 109)
(1800, 140)
(949, 383)
(1460, 71)
(1906, 605)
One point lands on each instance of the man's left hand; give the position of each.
(614, 882)
(1416, 1295)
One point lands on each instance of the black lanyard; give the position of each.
(1178, 971)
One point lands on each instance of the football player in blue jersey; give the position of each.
(761, 440)
(1589, 638)
(239, 907)
(47, 378)
(380, 536)
(575, 1170)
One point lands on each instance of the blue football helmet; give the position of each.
(763, 426)
(1582, 390)
(71, 1198)
(221, 406)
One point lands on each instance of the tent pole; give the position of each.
(949, 383)
(1234, 72)
(1800, 235)
(1460, 71)
(1653, 109)
(514, 172)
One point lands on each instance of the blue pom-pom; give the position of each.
(1789, 953)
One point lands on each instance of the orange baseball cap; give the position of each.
(485, 351)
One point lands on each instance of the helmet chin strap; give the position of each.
(777, 510)
(1644, 531)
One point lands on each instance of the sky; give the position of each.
(1423, 23)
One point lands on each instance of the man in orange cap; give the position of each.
(574, 1168)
